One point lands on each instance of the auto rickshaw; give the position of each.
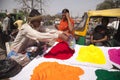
(82, 29)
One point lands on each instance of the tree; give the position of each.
(108, 4)
(117, 3)
(27, 5)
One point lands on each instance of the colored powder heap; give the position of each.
(91, 54)
(107, 75)
(55, 71)
(60, 51)
(114, 55)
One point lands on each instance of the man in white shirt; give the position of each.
(31, 32)
(6, 24)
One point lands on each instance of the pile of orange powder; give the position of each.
(56, 71)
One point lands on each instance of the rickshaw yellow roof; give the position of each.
(108, 12)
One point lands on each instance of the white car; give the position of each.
(57, 21)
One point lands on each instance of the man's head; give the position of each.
(105, 21)
(64, 11)
(35, 18)
(8, 14)
(19, 18)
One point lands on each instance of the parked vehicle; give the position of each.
(82, 29)
(57, 21)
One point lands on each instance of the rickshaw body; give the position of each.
(82, 28)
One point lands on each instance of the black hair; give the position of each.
(33, 13)
(98, 28)
(19, 18)
(106, 19)
(65, 10)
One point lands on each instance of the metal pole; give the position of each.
(32, 4)
(41, 6)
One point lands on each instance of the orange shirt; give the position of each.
(64, 27)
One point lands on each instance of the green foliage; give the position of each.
(49, 20)
(108, 4)
(58, 16)
(2, 15)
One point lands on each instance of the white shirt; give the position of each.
(114, 24)
(28, 36)
(6, 24)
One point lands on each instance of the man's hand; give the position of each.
(56, 26)
(64, 36)
(67, 15)
(94, 41)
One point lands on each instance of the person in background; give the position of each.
(1, 31)
(30, 33)
(18, 23)
(6, 28)
(66, 23)
(100, 33)
(1, 26)
(6, 24)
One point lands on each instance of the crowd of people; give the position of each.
(32, 33)
(7, 28)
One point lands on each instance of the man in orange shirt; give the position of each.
(66, 24)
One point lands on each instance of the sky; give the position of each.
(52, 7)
